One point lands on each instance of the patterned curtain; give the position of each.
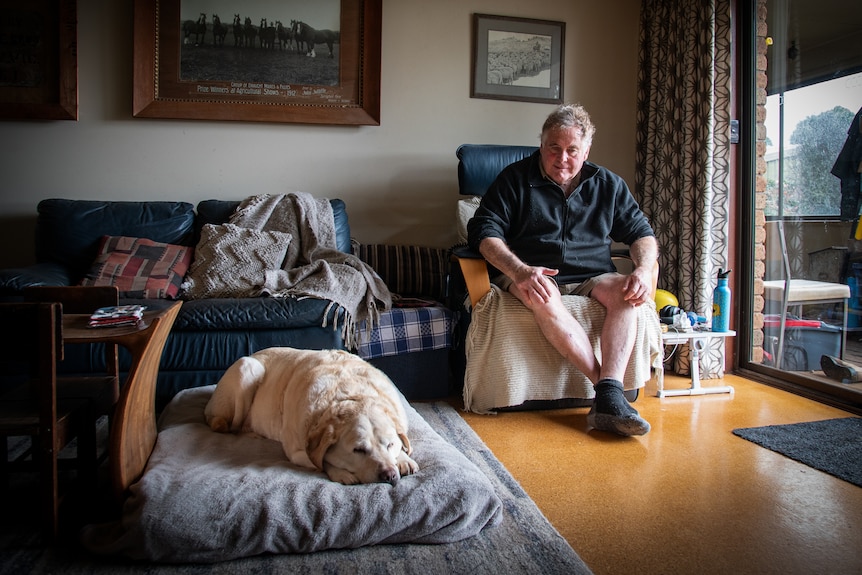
(683, 155)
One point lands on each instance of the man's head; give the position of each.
(567, 135)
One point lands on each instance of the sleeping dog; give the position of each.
(329, 409)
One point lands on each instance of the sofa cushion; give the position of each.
(220, 211)
(408, 330)
(230, 261)
(464, 212)
(139, 267)
(68, 232)
(409, 271)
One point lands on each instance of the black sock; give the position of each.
(611, 410)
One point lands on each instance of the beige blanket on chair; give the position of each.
(509, 361)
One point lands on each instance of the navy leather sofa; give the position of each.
(209, 334)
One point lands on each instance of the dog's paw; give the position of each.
(219, 424)
(341, 476)
(406, 466)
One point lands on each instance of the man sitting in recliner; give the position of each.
(547, 223)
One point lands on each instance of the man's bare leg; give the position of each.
(611, 411)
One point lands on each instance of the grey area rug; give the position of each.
(833, 446)
(525, 542)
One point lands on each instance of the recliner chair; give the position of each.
(497, 375)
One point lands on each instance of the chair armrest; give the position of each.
(475, 273)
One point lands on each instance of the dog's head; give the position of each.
(358, 442)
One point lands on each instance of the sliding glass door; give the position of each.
(806, 196)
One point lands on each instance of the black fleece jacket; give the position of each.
(544, 228)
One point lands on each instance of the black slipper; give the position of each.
(839, 370)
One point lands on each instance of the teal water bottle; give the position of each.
(721, 303)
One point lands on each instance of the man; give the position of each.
(547, 223)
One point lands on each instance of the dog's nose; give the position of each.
(389, 476)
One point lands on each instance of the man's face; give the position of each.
(563, 154)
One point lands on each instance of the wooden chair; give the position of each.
(31, 343)
(100, 392)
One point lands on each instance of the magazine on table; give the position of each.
(117, 315)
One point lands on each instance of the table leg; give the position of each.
(696, 345)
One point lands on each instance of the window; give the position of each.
(804, 219)
(806, 128)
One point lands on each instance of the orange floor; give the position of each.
(689, 497)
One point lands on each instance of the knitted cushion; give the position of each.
(140, 268)
(231, 261)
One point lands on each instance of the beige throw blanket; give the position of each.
(509, 361)
(313, 267)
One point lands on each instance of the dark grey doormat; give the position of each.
(833, 446)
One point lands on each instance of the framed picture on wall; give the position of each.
(289, 61)
(39, 60)
(517, 59)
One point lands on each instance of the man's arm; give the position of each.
(644, 254)
(531, 280)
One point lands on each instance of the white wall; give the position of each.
(398, 179)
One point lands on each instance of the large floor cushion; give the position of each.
(207, 497)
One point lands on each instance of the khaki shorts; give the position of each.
(583, 288)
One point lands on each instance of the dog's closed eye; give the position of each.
(360, 450)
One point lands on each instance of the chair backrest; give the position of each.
(81, 299)
(31, 342)
(480, 164)
(75, 299)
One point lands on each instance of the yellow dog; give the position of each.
(329, 409)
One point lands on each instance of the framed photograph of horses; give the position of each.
(39, 60)
(258, 60)
(517, 59)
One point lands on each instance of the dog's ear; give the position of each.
(321, 437)
(405, 443)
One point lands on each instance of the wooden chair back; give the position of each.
(81, 299)
(31, 339)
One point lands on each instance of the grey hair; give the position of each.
(571, 116)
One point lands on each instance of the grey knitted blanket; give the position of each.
(313, 267)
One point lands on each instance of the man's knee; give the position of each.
(609, 292)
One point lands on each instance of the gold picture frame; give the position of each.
(347, 59)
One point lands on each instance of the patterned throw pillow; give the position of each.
(230, 261)
(140, 268)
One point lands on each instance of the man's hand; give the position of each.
(533, 282)
(637, 287)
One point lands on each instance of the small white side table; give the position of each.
(697, 342)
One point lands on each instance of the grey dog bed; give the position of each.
(207, 497)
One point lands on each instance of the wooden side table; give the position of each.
(133, 428)
(697, 341)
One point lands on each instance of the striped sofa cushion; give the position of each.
(409, 271)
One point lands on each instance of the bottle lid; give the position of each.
(723, 274)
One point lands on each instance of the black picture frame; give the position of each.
(520, 59)
(352, 98)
